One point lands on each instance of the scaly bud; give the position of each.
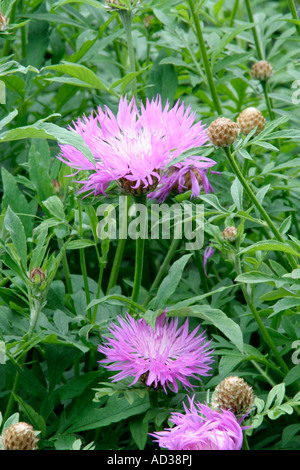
(250, 118)
(3, 22)
(222, 132)
(233, 394)
(19, 436)
(261, 70)
(37, 276)
(229, 234)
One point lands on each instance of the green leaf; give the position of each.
(14, 198)
(116, 409)
(48, 130)
(37, 421)
(293, 375)
(93, 3)
(139, 431)
(80, 72)
(286, 303)
(77, 244)
(39, 174)
(275, 395)
(55, 206)
(17, 233)
(237, 194)
(8, 118)
(253, 277)
(170, 283)
(221, 321)
(269, 246)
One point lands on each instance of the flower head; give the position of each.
(159, 356)
(201, 428)
(191, 174)
(134, 147)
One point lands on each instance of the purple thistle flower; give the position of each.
(201, 428)
(134, 146)
(190, 174)
(160, 356)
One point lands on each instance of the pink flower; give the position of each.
(134, 146)
(201, 428)
(190, 174)
(161, 355)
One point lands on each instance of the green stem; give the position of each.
(257, 204)
(120, 246)
(260, 323)
(35, 309)
(233, 12)
(245, 445)
(294, 14)
(205, 57)
(12, 16)
(264, 85)
(199, 262)
(83, 265)
(173, 247)
(255, 35)
(127, 17)
(139, 250)
(11, 400)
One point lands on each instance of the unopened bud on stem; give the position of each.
(222, 132)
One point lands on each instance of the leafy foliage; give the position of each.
(249, 301)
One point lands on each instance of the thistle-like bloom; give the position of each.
(191, 174)
(160, 356)
(201, 428)
(134, 147)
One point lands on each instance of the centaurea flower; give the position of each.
(201, 428)
(161, 356)
(134, 147)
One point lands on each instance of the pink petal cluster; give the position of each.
(175, 176)
(135, 145)
(164, 355)
(201, 428)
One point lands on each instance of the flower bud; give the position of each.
(233, 394)
(261, 70)
(117, 3)
(3, 22)
(249, 119)
(37, 276)
(56, 186)
(222, 132)
(147, 20)
(229, 234)
(19, 436)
